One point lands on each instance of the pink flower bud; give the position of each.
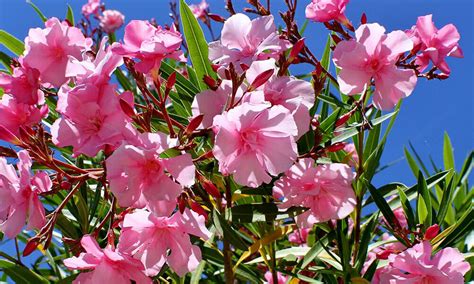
(9, 137)
(261, 79)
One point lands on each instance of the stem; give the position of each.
(228, 269)
(18, 256)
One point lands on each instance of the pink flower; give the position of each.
(19, 196)
(295, 95)
(111, 20)
(91, 8)
(282, 279)
(199, 10)
(150, 45)
(23, 85)
(139, 177)
(49, 49)
(373, 56)
(244, 40)
(105, 265)
(95, 71)
(14, 115)
(435, 44)
(156, 240)
(416, 265)
(325, 189)
(91, 119)
(254, 142)
(299, 236)
(350, 149)
(211, 103)
(327, 10)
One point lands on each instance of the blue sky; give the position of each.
(433, 108)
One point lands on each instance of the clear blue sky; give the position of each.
(434, 106)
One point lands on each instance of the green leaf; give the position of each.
(407, 209)
(424, 203)
(365, 240)
(196, 274)
(197, 45)
(189, 90)
(446, 201)
(6, 61)
(326, 57)
(20, 274)
(262, 212)
(70, 15)
(411, 162)
(227, 231)
(38, 11)
(448, 155)
(123, 80)
(383, 206)
(11, 43)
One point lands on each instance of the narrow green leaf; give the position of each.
(227, 232)
(448, 155)
(383, 206)
(197, 45)
(11, 43)
(197, 274)
(123, 80)
(190, 90)
(326, 57)
(70, 15)
(424, 202)
(38, 11)
(20, 274)
(407, 209)
(446, 201)
(6, 61)
(411, 162)
(263, 212)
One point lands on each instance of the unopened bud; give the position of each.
(431, 232)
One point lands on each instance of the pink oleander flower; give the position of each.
(350, 149)
(140, 178)
(14, 115)
(150, 45)
(199, 10)
(105, 265)
(382, 252)
(282, 279)
(91, 8)
(417, 265)
(325, 189)
(111, 20)
(244, 41)
(434, 44)
(295, 95)
(23, 85)
(19, 196)
(92, 119)
(49, 50)
(327, 10)
(255, 141)
(373, 56)
(211, 103)
(159, 240)
(95, 71)
(299, 236)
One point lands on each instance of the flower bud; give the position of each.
(431, 232)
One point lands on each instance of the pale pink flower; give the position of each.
(269, 278)
(417, 265)
(294, 94)
(327, 10)
(435, 45)
(211, 103)
(254, 142)
(325, 189)
(140, 178)
(105, 265)
(19, 196)
(49, 49)
(159, 240)
(244, 41)
(199, 10)
(381, 252)
(23, 84)
(91, 8)
(150, 45)
(111, 20)
(373, 56)
(95, 71)
(14, 115)
(299, 236)
(92, 119)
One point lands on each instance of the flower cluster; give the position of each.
(164, 155)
